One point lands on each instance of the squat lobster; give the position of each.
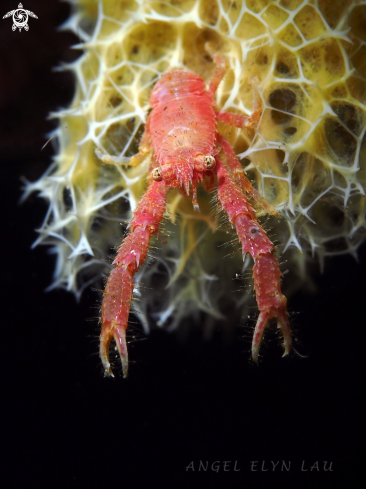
(181, 131)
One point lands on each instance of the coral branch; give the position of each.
(119, 289)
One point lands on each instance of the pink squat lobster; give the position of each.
(181, 131)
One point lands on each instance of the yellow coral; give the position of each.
(306, 61)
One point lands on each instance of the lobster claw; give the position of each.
(282, 323)
(119, 336)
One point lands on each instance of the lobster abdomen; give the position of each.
(182, 118)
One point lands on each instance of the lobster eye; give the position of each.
(156, 174)
(209, 162)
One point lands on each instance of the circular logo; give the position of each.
(20, 18)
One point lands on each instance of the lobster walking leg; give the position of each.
(119, 289)
(261, 205)
(239, 120)
(243, 121)
(219, 73)
(137, 159)
(266, 272)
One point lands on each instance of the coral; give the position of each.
(304, 59)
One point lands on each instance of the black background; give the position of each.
(64, 425)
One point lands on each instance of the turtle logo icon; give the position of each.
(20, 17)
